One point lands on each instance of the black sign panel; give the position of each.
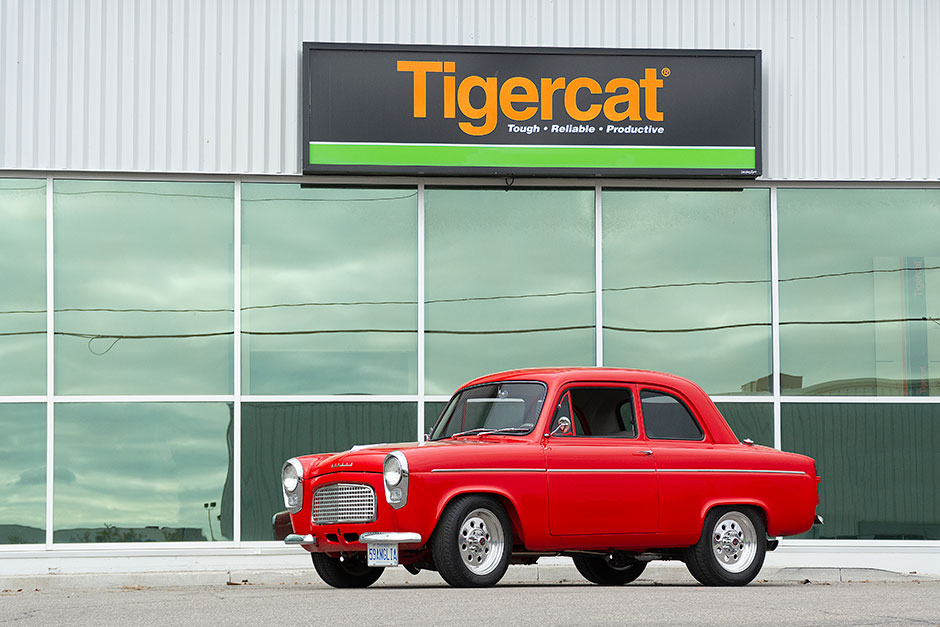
(384, 109)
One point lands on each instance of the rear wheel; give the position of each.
(345, 571)
(473, 541)
(732, 547)
(610, 570)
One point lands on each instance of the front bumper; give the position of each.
(389, 537)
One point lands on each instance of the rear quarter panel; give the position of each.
(695, 477)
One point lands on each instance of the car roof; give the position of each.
(563, 375)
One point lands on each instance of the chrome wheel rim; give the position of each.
(480, 541)
(734, 542)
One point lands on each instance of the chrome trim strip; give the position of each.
(626, 470)
(733, 470)
(401, 537)
(294, 538)
(711, 470)
(487, 470)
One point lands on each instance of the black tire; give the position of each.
(346, 572)
(606, 572)
(472, 542)
(732, 547)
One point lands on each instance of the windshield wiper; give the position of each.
(472, 431)
(523, 428)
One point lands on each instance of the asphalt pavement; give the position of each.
(527, 596)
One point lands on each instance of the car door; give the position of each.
(601, 477)
(684, 459)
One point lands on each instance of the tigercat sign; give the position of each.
(470, 110)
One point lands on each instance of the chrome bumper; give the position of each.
(404, 537)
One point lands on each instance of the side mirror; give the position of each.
(563, 427)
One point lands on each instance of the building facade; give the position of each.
(181, 309)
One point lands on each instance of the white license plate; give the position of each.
(382, 554)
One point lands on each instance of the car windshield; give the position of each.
(493, 407)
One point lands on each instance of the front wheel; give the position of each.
(345, 571)
(610, 570)
(732, 547)
(473, 542)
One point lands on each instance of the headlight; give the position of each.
(292, 477)
(395, 473)
(392, 471)
(289, 478)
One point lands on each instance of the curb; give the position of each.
(551, 573)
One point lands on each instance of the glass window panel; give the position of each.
(750, 420)
(22, 286)
(860, 292)
(687, 285)
(509, 282)
(22, 473)
(432, 411)
(878, 463)
(272, 433)
(143, 472)
(329, 290)
(144, 284)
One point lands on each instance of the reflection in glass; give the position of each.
(750, 420)
(22, 473)
(143, 472)
(687, 285)
(22, 286)
(432, 411)
(860, 292)
(329, 290)
(274, 432)
(878, 463)
(509, 282)
(143, 287)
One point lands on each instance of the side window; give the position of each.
(600, 412)
(564, 409)
(666, 418)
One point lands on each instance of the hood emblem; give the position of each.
(339, 464)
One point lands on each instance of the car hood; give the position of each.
(371, 457)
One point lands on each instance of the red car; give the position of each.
(613, 468)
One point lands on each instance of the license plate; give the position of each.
(382, 554)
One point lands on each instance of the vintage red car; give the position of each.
(613, 468)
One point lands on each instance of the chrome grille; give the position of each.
(344, 503)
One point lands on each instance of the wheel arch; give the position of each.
(507, 502)
(754, 504)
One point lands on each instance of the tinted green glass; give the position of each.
(509, 281)
(878, 463)
(143, 287)
(22, 286)
(860, 291)
(22, 473)
(274, 432)
(329, 290)
(143, 472)
(750, 420)
(687, 286)
(432, 411)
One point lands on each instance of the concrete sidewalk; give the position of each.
(554, 572)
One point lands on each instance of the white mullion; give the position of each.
(598, 279)
(237, 371)
(50, 364)
(776, 375)
(421, 323)
(326, 398)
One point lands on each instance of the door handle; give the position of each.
(645, 453)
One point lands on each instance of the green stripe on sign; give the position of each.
(499, 156)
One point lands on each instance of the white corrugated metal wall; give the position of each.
(199, 86)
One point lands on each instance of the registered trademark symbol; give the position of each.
(666, 71)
